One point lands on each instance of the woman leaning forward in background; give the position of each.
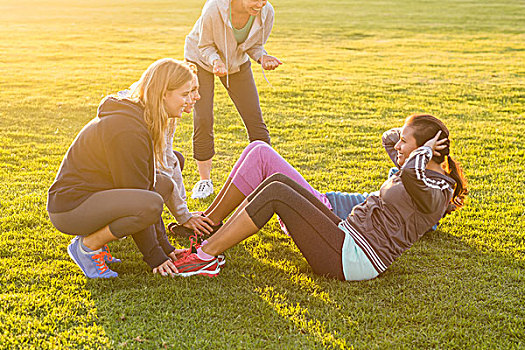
(227, 34)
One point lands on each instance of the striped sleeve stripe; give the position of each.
(420, 171)
(362, 242)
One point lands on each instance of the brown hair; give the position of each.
(426, 127)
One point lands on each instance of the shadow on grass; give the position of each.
(441, 293)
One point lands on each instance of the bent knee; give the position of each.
(277, 189)
(279, 177)
(264, 152)
(153, 209)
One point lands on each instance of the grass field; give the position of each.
(351, 70)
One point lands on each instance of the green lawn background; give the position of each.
(351, 71)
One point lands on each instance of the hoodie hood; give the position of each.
(112, 105)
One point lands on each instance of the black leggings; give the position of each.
(243, 93)
(311, 224)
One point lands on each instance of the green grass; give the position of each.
(351, 70)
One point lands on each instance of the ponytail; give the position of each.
(426, 127)
(460, 190)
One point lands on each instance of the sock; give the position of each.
(204, 242)
(85, 249)
(204, 256)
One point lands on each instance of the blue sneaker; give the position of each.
(93, 265)
(110, 259)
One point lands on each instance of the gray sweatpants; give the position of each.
(243, 93)
(125, 210)
(313, 227)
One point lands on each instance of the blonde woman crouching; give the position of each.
(106, 187)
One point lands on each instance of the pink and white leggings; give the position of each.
(259, 161)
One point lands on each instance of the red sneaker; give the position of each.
(181, 254)
(191, 265)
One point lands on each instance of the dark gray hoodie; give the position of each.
(114, 150)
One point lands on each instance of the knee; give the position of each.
(263, 151)
(267, 151)
(276, 189)
(153, 209)
(254, 147)
(279, 177)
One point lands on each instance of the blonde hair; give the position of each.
(162, 75)
(172, 123)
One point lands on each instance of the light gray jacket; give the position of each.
(177, 203)
(212, 37)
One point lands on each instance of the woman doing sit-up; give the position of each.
(377, 231)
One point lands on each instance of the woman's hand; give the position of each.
(219, 69)
(166, 268)
(173, 254)
(270, 62)
(436, 145)
(199, 223)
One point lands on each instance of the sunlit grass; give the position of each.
(351, 70)
(300, 318)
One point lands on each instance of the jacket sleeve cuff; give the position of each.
(213, 57)
(257, 54)
(156, 257)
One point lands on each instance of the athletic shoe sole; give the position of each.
(70, 253)
(201, 272)
(202, 194)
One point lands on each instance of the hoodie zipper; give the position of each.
(226, 23)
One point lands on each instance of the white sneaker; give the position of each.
(202, 189)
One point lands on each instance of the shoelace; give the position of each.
(100, 263)
(106, 251)
(193, 243)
